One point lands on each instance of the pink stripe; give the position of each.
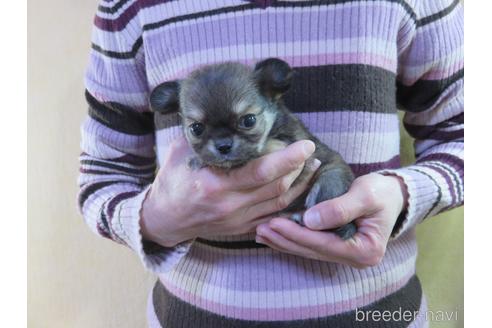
(440, 74)
(432, 73)
(296, 313)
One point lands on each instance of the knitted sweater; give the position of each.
(357, 63)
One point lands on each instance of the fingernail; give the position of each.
(316, 164)
(308, 148)
(312, 219)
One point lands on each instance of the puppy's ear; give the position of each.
(165, 97)
(273, 77)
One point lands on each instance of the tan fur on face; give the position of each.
(274, 145)
(269, 119)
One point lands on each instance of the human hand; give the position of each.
(374, 201)
(183, 204)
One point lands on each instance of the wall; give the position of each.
(77, 279)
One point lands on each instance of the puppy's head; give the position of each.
(227, 109)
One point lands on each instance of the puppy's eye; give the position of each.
(247, 121)
(197, 129)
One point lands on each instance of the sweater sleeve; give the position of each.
(430, 91)
(117, 164)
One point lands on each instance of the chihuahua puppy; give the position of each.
(232, 113)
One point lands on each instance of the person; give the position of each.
(221, 259)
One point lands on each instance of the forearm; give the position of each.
(430, 91)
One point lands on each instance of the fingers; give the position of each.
(255, 223)
(361, 251)
(326, 243)
(336, 212)
(279, 203)
(265, 235)
(281, 185)
(271, 166)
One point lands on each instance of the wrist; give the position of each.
(147, 216)
(398, 189)
(402, 191)
(150, 225)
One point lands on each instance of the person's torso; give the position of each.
(345, 55)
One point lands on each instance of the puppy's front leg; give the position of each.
(333, 180)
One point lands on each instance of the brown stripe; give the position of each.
(120, 117)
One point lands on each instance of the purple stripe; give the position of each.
(460, 118)
(447, 135)
(102, 231)
(122, 20)
(332, 23)
(425, 131)
(366, 168)
(446, 177)
(263, 3)
(451, 160)
(99, 172)
(107, 4)
(129, 159)
(429, 132)
(134, 160)
(116, 200)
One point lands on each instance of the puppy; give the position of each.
(232, 114)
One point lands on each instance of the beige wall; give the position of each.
(77, 279)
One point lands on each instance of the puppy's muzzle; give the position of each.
(223, 145)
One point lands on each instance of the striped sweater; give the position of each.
(358, 62)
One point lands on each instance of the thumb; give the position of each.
(178, 151)
(338, 211)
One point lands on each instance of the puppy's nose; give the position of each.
(224, 145)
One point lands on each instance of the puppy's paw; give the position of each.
(346, 232)
(297, 218)
(195, 163)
